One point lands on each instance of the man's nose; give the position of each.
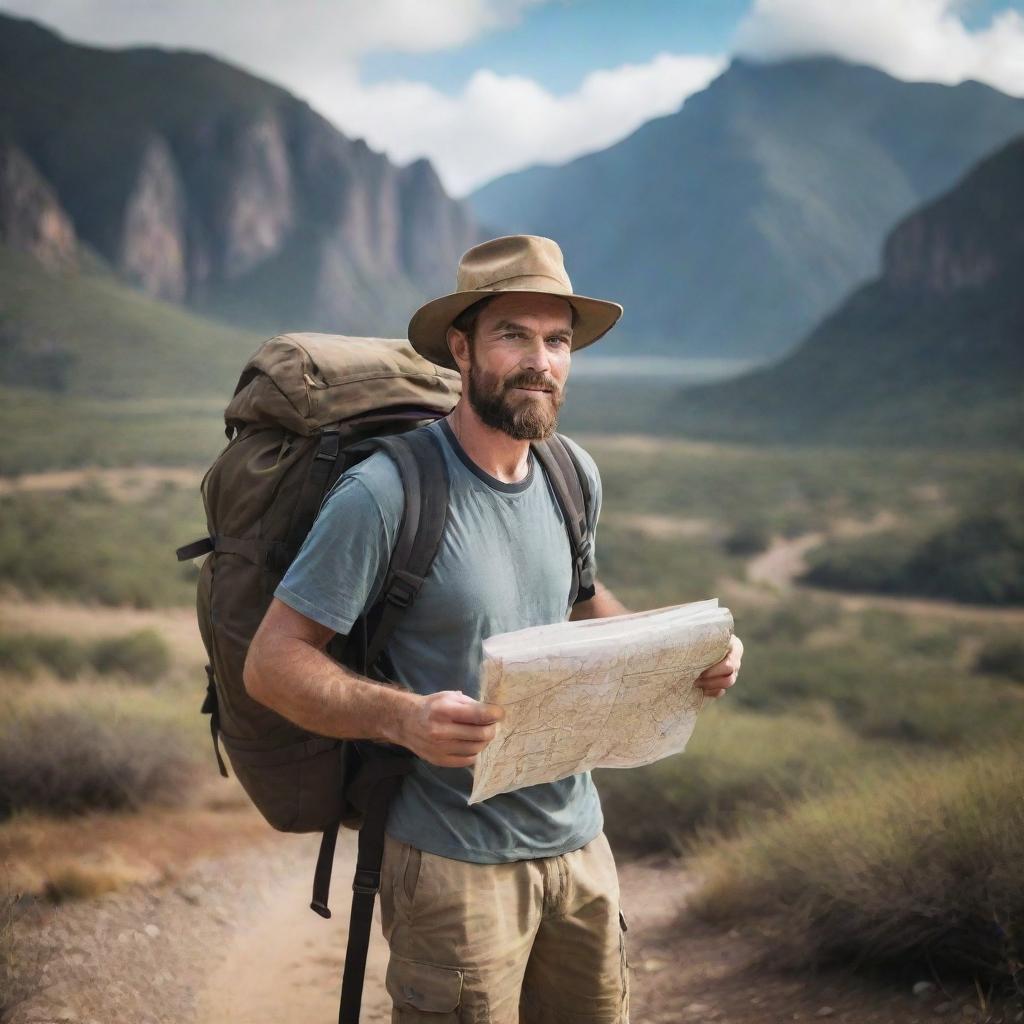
(537, 356)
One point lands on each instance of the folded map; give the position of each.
(615, 692)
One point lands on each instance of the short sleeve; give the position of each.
(340, 567)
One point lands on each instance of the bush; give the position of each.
(26, 653)
(82, 545)
(747, 539)
(142, 654)
(1003, 659)
(920, 865)
(978, 559)
(68, 762)
(736, 764)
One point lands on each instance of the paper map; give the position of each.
(615, 692)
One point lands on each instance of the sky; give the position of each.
(486, 87)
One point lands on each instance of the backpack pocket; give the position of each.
(297, 787)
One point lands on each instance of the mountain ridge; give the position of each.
(803, 167)
(206, 185)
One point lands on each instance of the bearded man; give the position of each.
(507, 910)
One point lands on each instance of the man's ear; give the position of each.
(458, 345)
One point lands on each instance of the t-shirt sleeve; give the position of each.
(340, 567)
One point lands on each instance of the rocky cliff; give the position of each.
(205, 185)
(32, 220)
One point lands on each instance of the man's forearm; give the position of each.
(308, 687)
(601, 605)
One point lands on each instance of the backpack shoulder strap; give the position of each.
(572, 490)
(424, 474)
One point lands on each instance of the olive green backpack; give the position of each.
(306, 408)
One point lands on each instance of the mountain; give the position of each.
(931, 352)
(202, 184)
(78, 331)
(730, 227)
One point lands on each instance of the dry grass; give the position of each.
(924, 863)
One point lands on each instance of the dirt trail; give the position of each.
(231, 940)
(286, 963)
(777, 567)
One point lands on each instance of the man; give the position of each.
(507, 909)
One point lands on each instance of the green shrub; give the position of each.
(923, 863)
(978, 558)
(87, 547)
(143, 655)
(737, 763)
(1003, 659)
(67, 762)
(747, 539)
(24, 654)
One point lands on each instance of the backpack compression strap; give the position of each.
(569, 483)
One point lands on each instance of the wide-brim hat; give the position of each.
(513, 263)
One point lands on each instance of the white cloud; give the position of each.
(916, 40)
(500, 123)
(495, 123)
(269, 34)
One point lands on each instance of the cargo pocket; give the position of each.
(424, 992)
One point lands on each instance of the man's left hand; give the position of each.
(714, 681)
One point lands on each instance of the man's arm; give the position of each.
(288, 670)
(602, 604)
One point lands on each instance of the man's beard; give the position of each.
(527, 419)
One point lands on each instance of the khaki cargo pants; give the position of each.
(533, 941)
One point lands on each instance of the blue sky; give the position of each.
(557, 44)
(486, 87)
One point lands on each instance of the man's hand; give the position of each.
(449, 729)
(714, 681)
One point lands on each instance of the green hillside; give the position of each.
(88, 335)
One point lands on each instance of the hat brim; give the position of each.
(428, 328)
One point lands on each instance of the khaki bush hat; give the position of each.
(513, 263)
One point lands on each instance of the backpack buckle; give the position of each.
(366, 882)
(403, 588)
(330, 445)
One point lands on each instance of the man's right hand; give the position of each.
(449, 729)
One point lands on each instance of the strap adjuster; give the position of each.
(403, 588)
(330, 445)
(366, 882)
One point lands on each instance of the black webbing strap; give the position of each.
(424, 473)
(311, 496)
(366, 882)
(198, 547)
(565, 480)
(210, 707)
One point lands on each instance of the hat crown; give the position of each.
(501, 263)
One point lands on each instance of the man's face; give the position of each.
(518, 364)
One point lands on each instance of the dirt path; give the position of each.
(778, 566)
(126, 483)
(231, 940)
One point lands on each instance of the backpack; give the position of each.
(306, 408)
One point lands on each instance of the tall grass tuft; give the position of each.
(924, 864)
(66, 762)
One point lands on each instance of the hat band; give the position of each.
(524, 283)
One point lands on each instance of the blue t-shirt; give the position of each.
(504, 564)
